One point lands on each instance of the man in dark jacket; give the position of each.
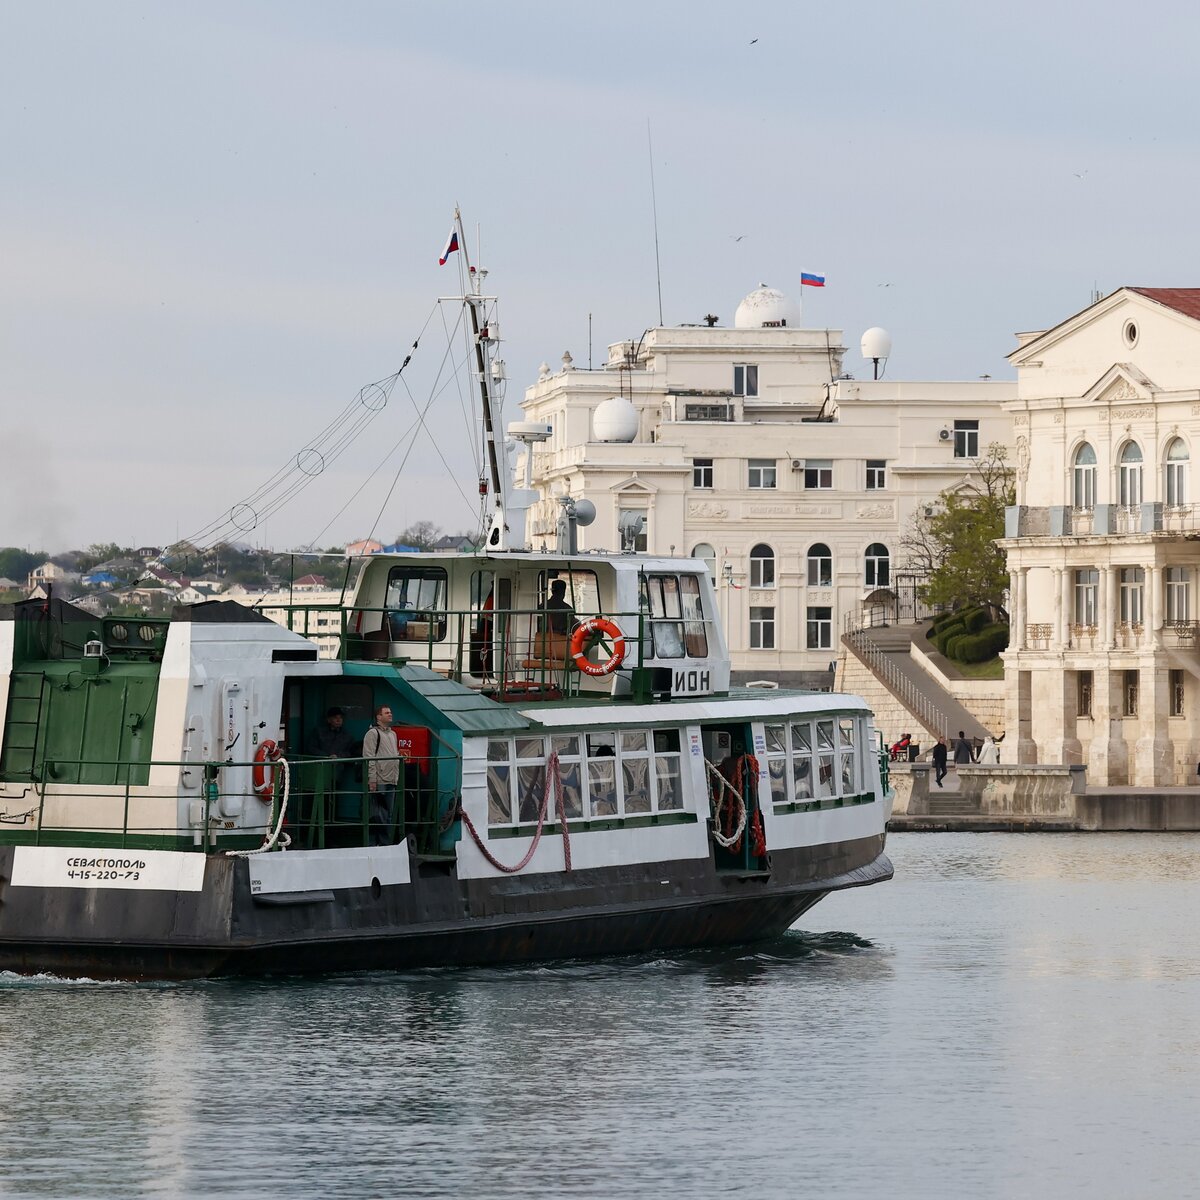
(963, 752)
(939, 760)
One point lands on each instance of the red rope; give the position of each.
(553, 778)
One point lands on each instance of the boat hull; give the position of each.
(436, 920)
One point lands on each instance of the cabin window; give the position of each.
(813, 760)
(826, 758)
(676, 616)
(416, 603)
(626, 773)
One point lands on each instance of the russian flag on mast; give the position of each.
(451, 246)
(807, 280)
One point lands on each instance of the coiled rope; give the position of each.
(720, 794)
(553, 779)
(273, 837)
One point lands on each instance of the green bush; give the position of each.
(978, 647)
(944, 635)
(975, 619)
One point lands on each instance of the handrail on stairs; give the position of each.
(879, 662)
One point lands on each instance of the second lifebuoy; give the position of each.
(264, 769)
(581, 643)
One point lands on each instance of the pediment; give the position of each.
(1122, 383)
(633, 485)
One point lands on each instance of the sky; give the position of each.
(220, 221)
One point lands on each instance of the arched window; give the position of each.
(705, 551)
(1131, 476)
(762, 566)
(1177, 472)
(877, 563)
(1083, 478)
(820, 566)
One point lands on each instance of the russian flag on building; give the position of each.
(451, 246)
(807, 280)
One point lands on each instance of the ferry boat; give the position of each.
(575, 774)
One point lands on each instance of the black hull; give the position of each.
(434, 921)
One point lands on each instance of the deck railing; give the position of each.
(328, 804)
(505, 650)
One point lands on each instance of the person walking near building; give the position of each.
(381, 749)
(939, 760)
(962, 750)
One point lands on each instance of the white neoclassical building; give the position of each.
(749, 447)
(1102, 545)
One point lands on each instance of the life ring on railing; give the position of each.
(264, 769)
(580, 644)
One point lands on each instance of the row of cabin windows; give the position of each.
(818, 562)
(1131, 595)
(813, 760)
(818, 627)
(1129, 682)
(1130, 466)
(636, 772)
(630, 772)
(763, 474)
(676, 615)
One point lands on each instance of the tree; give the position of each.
(953, 541)
(16, 563)
(421, 534)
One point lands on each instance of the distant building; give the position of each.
(51, 573)
(367, 546)
(1101, 543)
(314, 613)
(749, 448)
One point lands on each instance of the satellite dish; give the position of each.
(585, 512)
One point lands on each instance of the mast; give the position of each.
(496, 536)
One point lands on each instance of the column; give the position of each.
(1154, 606)
(1055, 640)
(1153, 764)
(1064, 607)
(1108, 578)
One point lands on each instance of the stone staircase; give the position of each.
(914, 699)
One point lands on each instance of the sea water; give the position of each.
(1014, 1015)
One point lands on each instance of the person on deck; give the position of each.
(333, 740)
(940, 752)
(381, 749)
(559, 614)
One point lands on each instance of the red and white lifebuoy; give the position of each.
(264, 769)
(581, 642)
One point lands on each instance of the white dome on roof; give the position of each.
(615, 420)
(766, 306)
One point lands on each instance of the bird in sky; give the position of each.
(1079, 174)
(737, 237)
(753, 40)
(883, 285)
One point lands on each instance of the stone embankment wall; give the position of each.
(1042, 797)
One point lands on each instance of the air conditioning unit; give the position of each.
(944, 435)
(797, 464)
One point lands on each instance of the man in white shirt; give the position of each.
(381, 749)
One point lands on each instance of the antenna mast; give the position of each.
(485, 336)
(654, 210)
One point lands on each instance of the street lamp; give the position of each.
(877, 345)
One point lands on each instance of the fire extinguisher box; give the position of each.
(414, 744)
